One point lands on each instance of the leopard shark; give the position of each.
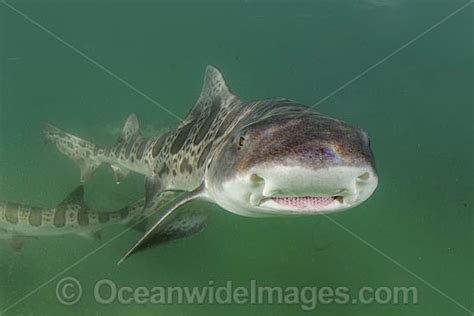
(19, 222)
(270, 157)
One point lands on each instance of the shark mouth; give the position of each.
(302, 202)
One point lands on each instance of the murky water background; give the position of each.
(417, 107)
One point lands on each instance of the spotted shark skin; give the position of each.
(242, 156)
(72, 216)
(175, 160)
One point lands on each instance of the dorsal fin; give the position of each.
(76, 197)
(214, 89)
(131, 128)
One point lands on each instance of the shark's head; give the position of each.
(285, 160)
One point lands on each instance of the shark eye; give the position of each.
(241, 141)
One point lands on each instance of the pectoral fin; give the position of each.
(166, 225)
(119, 173)
(184, 222)
(87, 169)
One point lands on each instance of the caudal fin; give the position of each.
(82, 152)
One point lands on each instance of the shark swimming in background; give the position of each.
(72, 216)
(271, 157)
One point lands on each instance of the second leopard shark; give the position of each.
(270, 157)
(71, 216)
(19, 222)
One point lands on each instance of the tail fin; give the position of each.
(80, 151)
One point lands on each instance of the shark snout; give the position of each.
(300, 189)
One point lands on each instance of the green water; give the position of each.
(417, 105)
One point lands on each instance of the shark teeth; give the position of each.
(305, 201)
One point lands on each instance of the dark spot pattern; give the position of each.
(60, 218)
(141, 149)
(185, 166)
(158, 145)
(128, 150)
(104, 218)
(35, 217)
(204, 129)
(181, 138)
(163, 171)
(230, 117)
(204, 155)
(118, 149)
(11, 213)
(83, 218)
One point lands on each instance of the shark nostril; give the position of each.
(256, 179)
(364, 177)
